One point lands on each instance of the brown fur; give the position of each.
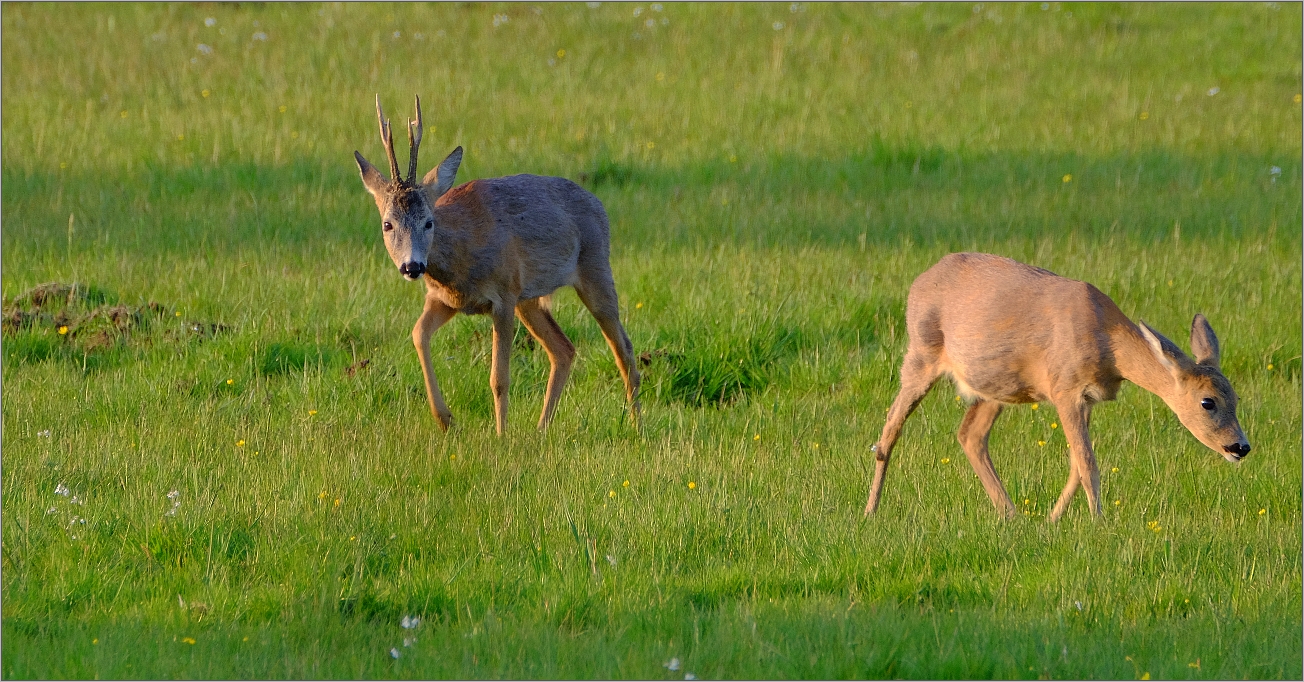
(1010, 333)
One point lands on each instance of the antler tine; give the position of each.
(414, 144)
(387, 139)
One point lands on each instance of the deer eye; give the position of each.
(1208, 404)
(430, 224)
(388, 226)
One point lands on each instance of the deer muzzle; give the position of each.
(412, 270)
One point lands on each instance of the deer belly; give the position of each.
(991, 382)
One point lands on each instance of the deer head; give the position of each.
(407, 216)
(1200, 396)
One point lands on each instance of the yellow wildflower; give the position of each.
(946, 460)
(611, 493)
(239, 443)
(337, 502)
(756, 437)
(638, 305)
(63, 329)
(1053, 425)
(230, 381)
(312, 412)
(1041, 443)
(188, 640)
(561, 54)
(1262, 512)
(1035, 406)
(626, 483)
(1068, 177)
(692, 485)
(1144, 115)
(1298, 98)
(205, 92)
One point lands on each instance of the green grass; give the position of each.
(773, 190)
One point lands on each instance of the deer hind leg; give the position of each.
(974, 431)
(561, 353)
(500, 374)
(433, 316)
(1076, 415)
(918, 373)
(599, 296)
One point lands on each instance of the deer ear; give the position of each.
(371, 178)
(440, 178)
(1165, 351)
(1204, 343)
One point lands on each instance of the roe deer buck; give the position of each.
(1011, 333)
(497, 246)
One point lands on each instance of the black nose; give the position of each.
(1238, 449)
(412, 270)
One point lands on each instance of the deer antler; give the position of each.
(414, 143)
(387, 139)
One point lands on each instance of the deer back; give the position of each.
(1013, 332)
(518, 237)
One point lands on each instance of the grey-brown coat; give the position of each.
(498, 246)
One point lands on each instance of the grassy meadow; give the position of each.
(217, 456)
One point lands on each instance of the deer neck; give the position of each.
(1137, 363)
(441, 256)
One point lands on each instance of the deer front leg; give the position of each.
(433, 316)
(1076, 416)
(500, 374)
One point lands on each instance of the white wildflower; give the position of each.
(210, 21)
(1214, 90)
(397, 35)
(673, 665)
(593, 5)
(656, 7)
(690, 676)
(43, 434)
(638, 11)
(778, 25)
(393, 653)
(260, 36)
(410, 622)
(204, 49)
(611, 560)
(61, 489)
(409, 641)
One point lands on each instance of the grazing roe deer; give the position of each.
(1011, 333)
(498, 246)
